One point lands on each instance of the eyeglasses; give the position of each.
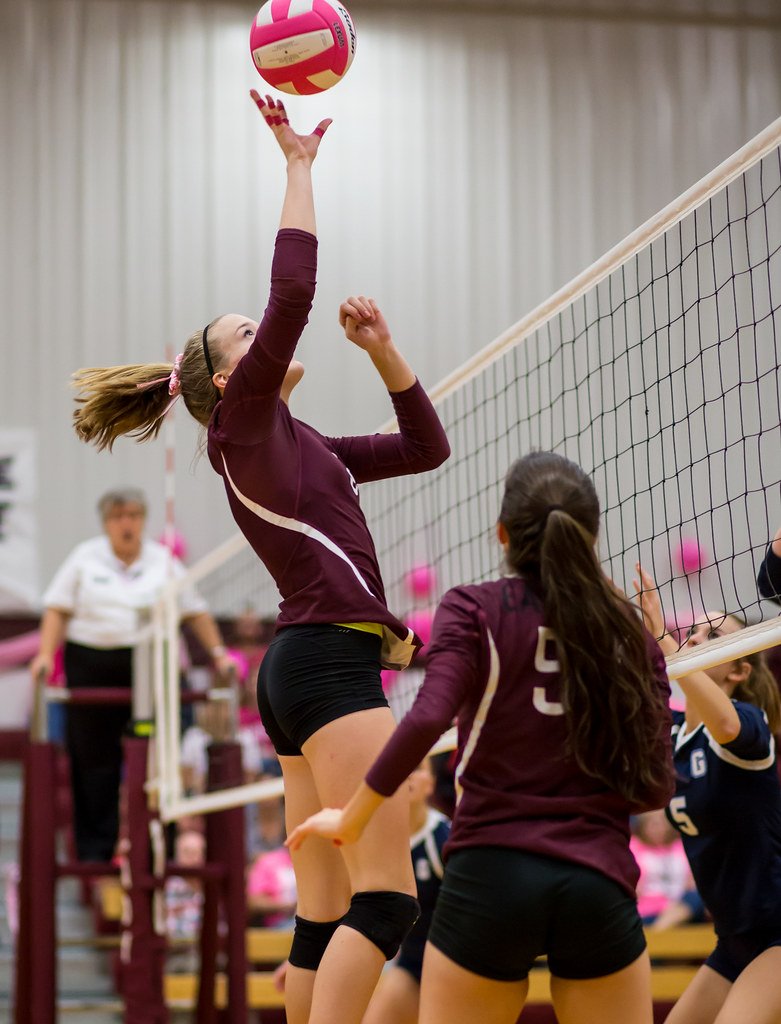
(125, 513)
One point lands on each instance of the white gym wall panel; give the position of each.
(481, 155)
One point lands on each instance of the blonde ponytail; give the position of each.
(132, 400)
(117, 400)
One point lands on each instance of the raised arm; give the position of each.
(258, 378)
(298, 207)
(365, 326)
(705, 701)
(421, 443)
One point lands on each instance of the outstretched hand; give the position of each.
(363, 323)
(295, 147)
(647, 598)
(330, 823)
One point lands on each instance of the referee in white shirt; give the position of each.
(95, 604)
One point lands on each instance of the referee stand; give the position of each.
(143, 870)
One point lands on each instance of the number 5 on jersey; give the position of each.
(681, 818)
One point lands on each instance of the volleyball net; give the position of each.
(656, 370)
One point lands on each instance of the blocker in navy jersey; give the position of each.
(427, 861)
(727, 807)
(294, 492)
(769, 576)
(492, 663)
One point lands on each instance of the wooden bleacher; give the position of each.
(675, 954)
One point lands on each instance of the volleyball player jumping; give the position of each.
(294, 495)
(563, 729)
(727, 807)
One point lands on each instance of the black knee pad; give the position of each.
(309, 941)
(385, 918)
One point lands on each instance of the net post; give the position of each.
(143, 705)
(206, 1007)
(225, 845)
(143, 948)
(35, 993)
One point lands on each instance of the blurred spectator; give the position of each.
(211, 723)
(184, 902)
(269, 824)
(97, 602)
(666, 895)
(271, 890)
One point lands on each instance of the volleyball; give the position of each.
(302, 46)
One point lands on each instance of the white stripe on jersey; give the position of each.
(433, 856)
(481, 715)
(739, 762)
(286, 523)
(682, 737)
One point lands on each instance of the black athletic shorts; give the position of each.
(312, 675)
(410, 958)
(498, 909)
(733, 953)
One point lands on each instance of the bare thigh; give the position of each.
(450, 994)
(396, 999)
(339, 755)
(702, 1000)
(756, 994)
(321, 876)
(620, 998)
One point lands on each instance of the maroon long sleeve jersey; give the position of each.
(294, 492)
(492, 664)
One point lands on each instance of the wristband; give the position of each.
(218, 651)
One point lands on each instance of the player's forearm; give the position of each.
(298, 208)
(712, 705)
(708, 702)
(359, 809)
(396, 373)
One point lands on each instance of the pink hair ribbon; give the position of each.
(175, 381)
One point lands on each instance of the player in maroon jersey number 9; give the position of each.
(561, 697)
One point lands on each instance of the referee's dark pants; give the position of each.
(93, 739)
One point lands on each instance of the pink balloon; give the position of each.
(421, 580)
(421, 622)
(389, 679)
(689, 556)
(176, 544)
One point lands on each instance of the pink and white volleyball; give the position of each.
(421, 580)
(689, 555)
(302, 46)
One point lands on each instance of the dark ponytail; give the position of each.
(612, 702)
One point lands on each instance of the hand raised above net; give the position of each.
(647, 599)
